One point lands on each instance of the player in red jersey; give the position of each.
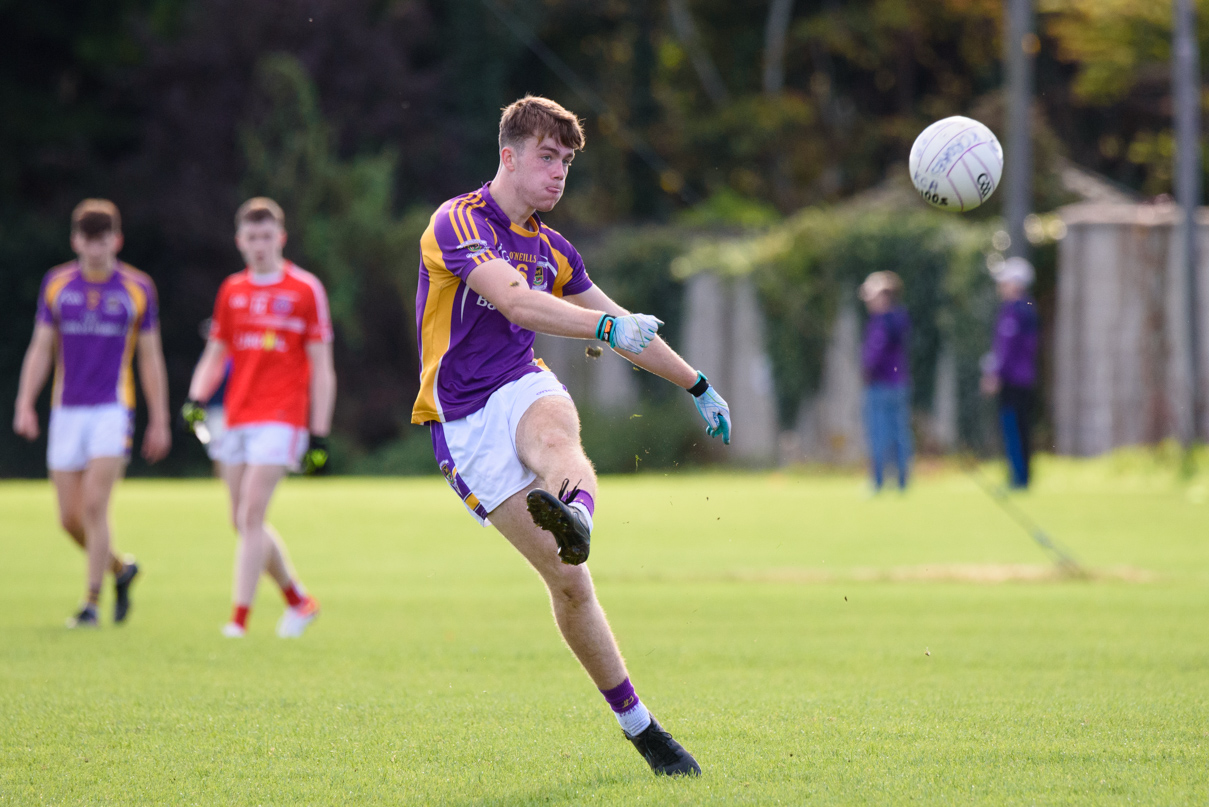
(272, 320)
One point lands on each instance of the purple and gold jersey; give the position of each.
(98, 325)
(468, 350)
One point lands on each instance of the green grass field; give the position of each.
(807, 644)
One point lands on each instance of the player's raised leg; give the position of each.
(547, 442)
(584, 627)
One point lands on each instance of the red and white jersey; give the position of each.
(266, 324)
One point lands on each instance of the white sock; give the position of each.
(635, 719)
(582, 509)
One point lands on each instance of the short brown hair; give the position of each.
(540, 117)
(258, 209)
(93, 218)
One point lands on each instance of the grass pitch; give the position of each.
(808, 645)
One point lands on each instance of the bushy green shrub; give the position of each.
(806, 268)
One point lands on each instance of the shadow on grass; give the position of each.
(578, 792)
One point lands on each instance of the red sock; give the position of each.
(239, 616)
(293, 596)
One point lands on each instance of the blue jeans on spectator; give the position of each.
(888, 426)
(1016, 422)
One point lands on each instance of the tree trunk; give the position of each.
(707, 71)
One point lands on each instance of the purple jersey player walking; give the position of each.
(504, 430)
(92, 314)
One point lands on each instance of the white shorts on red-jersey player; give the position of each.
(263, 444)
(477, 453)
(78, 434)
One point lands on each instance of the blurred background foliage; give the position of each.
(703, 117)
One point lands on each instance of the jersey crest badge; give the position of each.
(542, 270)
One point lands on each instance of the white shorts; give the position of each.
(78, 434)
(216, 422)
(477, 453)
(262, 444)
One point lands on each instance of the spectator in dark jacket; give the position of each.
(887, 376)
(1010, 370)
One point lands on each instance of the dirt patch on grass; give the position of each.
(984, 573)
(980, 573)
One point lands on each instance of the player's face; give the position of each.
(260, 243)
(97, 252)
(541, 172)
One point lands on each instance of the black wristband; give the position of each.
(698, 389)
(604, 327)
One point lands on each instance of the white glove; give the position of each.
(630, 333)
(713, 408)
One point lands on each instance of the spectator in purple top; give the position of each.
(1010, 370)
(887, 376)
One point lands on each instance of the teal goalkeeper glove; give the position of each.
(630, 333)
(314, 461)
(712, 408)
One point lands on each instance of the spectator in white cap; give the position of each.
(887, 374)
(1010, 370)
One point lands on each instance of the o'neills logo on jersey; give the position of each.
(259, 340)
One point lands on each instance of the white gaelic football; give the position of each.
(956, 164)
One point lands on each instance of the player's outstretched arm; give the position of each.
(153, 375)
(660, 359)
(35, 369)
(506, 289)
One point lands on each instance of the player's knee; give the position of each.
(247, 519)
(573, 589)
(71, 523)
(558, 440)
(95, 508)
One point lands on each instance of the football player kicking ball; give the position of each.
(504, 430)
(272, 320)
(92, 314)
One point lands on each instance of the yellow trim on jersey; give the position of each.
(461, 210)
(56, 285)
(435, 325)
(564, 269)
(138, 296)
(54, 288)
(56, 390)
(519, 230)
(472, 500)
